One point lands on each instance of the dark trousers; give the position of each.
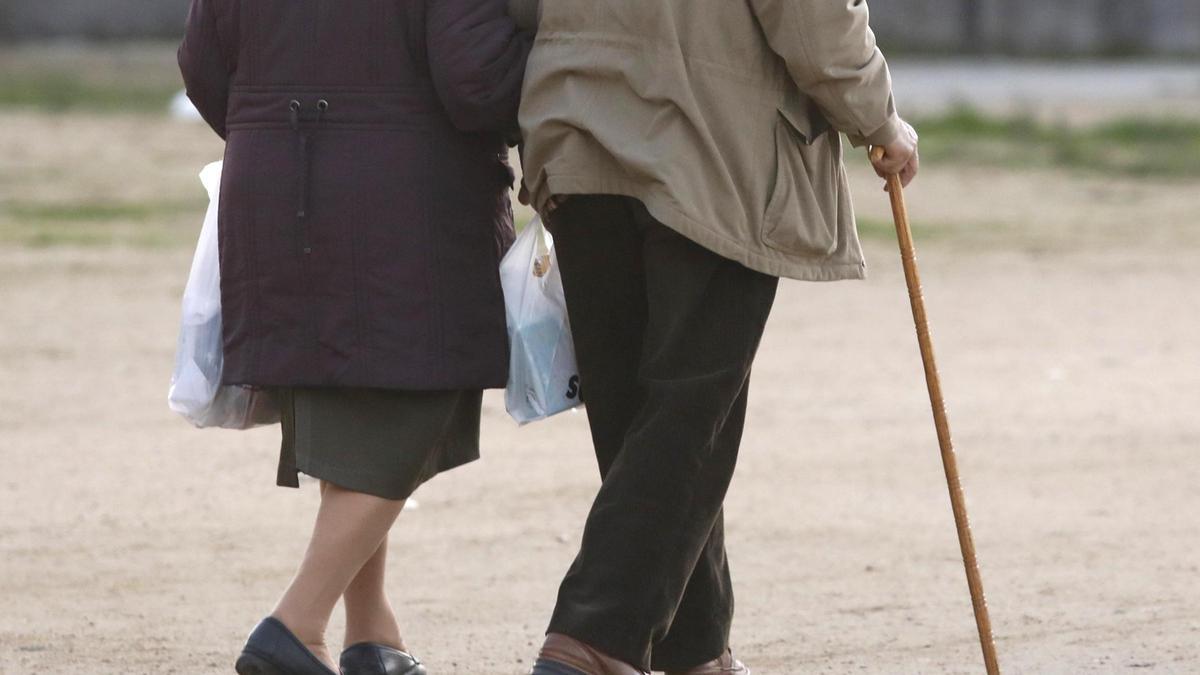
(665, 333)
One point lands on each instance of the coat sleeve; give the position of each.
(205, 64)
(477, 57)
(527, 13)
(831, 54)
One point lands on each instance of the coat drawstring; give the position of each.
(306, 163)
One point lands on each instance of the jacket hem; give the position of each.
(663, 209)
(239, 378)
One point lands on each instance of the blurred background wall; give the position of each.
(1040, 27)
(1010, 27)
(91, 19)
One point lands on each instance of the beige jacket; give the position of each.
(714, 113)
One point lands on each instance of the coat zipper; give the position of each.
(304, 140)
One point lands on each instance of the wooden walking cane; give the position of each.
(940, 419)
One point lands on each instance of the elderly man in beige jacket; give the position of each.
(687, 154)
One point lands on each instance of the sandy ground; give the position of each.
(1067, 319)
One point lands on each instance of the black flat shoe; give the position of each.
(273, 650)
(368, 658)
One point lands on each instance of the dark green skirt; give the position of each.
(379, 442)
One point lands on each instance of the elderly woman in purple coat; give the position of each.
(364, 211)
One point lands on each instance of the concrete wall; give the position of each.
(1015, 27)
(91, 19)
(1040, 27)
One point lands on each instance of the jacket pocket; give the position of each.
(801, 214)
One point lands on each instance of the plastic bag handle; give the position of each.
(543, 262)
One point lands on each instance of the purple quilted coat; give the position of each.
(364, 206)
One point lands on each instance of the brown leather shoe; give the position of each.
(726, 665)
(567, 651)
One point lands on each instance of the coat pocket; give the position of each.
(801, 215)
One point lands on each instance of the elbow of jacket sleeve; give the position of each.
(215, 121)
(209, 94)
(526, 13)
(481, 96)
(477, 58)
(211, 111)
(476, 112)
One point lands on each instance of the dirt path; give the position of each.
(1069, 335)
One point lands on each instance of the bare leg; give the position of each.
(349, 531)
(369, 614)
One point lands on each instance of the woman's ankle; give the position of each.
(381, 631)
(372, 619)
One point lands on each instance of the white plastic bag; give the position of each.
(196, 392)
(543, 379)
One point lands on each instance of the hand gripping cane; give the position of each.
(940, 419)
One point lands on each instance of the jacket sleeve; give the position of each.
(527, 13)
(205, 65)
(830, 52)
(477, 57)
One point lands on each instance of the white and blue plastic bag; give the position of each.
(196, 392)
(543, 378)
